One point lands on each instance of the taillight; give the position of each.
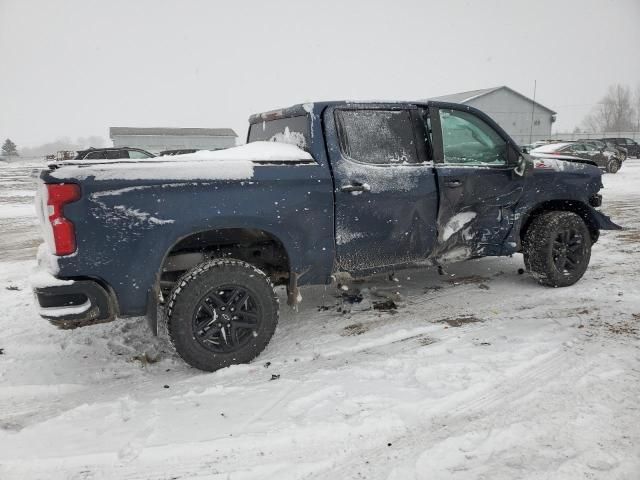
(64, 232)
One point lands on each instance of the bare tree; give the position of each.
(614, 113)
(637, 107)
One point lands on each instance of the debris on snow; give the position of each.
(386, 305)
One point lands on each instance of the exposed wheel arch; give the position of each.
(257, 247)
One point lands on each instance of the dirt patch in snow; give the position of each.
(355, 329)
(461, 320)
(632, 236)
(422, 340)
(360, 328)
(630, 327)
(467, 280)
(386, 305)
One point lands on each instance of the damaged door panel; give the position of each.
(477, 183)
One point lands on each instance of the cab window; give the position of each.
(377, 136)
(468, 140)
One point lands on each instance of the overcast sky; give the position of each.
(74, 68)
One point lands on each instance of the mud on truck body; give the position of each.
(319, 189)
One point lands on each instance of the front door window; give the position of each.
(468, 140)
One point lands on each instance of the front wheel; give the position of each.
(220, 313)
(557, 248)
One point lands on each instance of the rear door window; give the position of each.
(94, 155)
(381, 137)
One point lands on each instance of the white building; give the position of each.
(157, 139)
(514, 112)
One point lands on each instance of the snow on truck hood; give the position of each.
(231, 164)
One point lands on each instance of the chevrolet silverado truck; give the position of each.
(318, 192)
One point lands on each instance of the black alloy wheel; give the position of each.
(226, 319)
(222, 312)
(568, 250)
(557, 248)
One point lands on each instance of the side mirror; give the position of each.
(524, 167)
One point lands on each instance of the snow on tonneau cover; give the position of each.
(231, 164)
(235, 163)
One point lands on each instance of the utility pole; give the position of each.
(533, 109)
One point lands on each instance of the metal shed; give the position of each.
(158, 139)
(524, 119)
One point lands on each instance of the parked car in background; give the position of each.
(528, 148)
(609, 143)
(180, 151)
(606, 160)
(113, 153)
(608, 147)
(631, 146)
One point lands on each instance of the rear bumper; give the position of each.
(81, 303)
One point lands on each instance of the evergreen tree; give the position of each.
(9, 149)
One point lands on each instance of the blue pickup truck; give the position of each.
(319, 190)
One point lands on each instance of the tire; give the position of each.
(613, 166)
(222, 312)
(557, 248)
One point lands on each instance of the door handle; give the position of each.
(453, 183)
(355, 187)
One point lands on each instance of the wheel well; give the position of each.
(254, 246)
(576, 207)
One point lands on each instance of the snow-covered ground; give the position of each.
(479, 373)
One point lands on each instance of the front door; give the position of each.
(478, 187)
(385, 190)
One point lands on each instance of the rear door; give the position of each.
(478, 186)
(385, 191)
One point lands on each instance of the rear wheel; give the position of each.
(220, 313)
(557, 248)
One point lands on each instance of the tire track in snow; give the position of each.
(478, 409)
